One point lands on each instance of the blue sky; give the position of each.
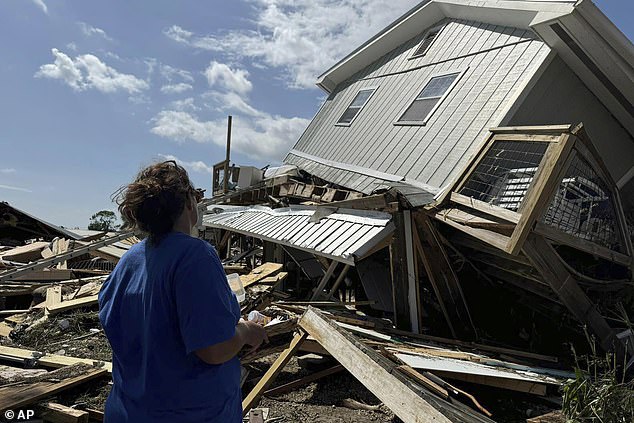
(93, 90)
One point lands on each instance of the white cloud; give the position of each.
(195, 166)
(170, 73)
(71, 46)
(12, 188)
(41, 5)
(176, 88)
(89, 72)
(264, 138)
(184, 104)
(302, 37)
(236, 80)
(232, 101)
(90, 30)
(8, 170)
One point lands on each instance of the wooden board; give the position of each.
(254, 396)
(46, 275)
(53, 298)
(57, 413)
(12, 397)
(410, 402)
(25, 253)
(260, 273)
(72, 304)
(51, 360)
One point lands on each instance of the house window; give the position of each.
(429, 98)
(355, 107)
(428, 39)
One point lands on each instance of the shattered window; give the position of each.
(504, 174)
(583, 206)
(426, 101)
(357, 104)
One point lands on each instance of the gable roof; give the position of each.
(590, 44)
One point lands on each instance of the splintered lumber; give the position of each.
(51, 360)
(25, 253)
(46, 275)
(287, 387)
(72, 304)
(57, 413)
(547, 262)
(553, 417)
(53, 298)
(5, 329)
(12, 397)
(254, 396)
(260, 273)
(41, 264)
(443, 279)
(407, 399)
(324, 280)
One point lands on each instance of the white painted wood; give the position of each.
(412, 283)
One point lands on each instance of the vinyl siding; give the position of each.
(498, 61)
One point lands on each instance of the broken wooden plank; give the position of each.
(51, 360)
(408, 400)
(58, 413)
(552, 417)
(399, 271)
(287, 387)
(46, 275)
(256, 393)
(444, 280)
(72, 304)
(259, 273)
(53, 298)
(12, 397)
(25, 253)
(324, 280)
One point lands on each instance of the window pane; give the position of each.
(437, 86)
(361, 98)
(349, 114)
(419, 110)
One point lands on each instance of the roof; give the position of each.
(590, 44)
(18, 223)
(345, 236)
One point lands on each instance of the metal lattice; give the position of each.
(504, 175)
(583, 206)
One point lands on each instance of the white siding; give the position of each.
(499, 61)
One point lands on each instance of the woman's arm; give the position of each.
(247, 333)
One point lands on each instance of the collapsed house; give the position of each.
(472, 170)
(458, 211)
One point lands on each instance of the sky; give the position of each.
(92, 91)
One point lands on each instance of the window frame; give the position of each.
(442, 98)
(440, 29)
(373, 89)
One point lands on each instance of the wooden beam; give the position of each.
(303, 381)
(412, 273)
(444, 280)
(12, 397)
(53, 298)
(340, 279)
(260, 273)
(51, 360)
(73, 304)
(490, 209)
(371, 202)
(399, 272)
(546, 261)
(254, 396)
(57, 413)
(539, 195)
(407, 399)
(496, 382)
(324, 280)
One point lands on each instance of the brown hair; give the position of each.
(155, 199)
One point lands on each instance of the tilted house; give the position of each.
(518, 116)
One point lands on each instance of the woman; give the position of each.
(167, 310)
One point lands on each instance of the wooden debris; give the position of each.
(57, 413)
(254, 396)
(51, 360)
(409, 402)
(260, 273)
(553, 417)
(356, 405)
(12, 397)
(72, 304)
(287, 387)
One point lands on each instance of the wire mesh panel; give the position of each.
(583, 206)
(504, 175)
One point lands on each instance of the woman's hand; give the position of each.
(252, 334)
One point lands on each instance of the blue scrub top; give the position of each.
(160, 304)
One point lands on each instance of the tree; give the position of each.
(104, 221)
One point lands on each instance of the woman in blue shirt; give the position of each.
(167, 310)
